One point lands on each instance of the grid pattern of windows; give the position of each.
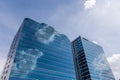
(82, 70)
(91, 61)
(10, 58)
(42, 54)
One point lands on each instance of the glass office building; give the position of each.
(38, 52)
(90, 61)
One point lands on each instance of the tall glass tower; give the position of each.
(38, 52)
(90, 61)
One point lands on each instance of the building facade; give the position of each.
(38, 52)
(90, 61)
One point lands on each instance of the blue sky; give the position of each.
(97, 20)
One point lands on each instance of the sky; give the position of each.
(96, 20)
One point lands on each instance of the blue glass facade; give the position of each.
(90, 61)
(39, 53)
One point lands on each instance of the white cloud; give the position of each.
(89, 4)
(114, 61)
(2, 63)
(46, 34)
(100, 23)
(95, 42)
(100, 64)
(27, 64)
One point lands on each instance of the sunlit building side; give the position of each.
(90, 61)
(38, 52)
